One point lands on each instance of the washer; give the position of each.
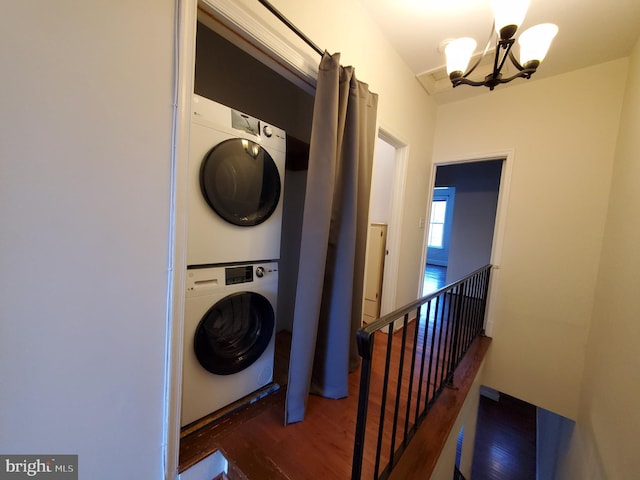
(229, 335)
(236, 178)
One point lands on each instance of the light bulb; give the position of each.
(508, 16)
(458, 53)
(535, 42)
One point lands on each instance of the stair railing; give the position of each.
(400, 380)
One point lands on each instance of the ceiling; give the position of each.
(590, 32)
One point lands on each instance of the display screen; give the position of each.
(235, 275)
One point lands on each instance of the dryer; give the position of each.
(236, 178)
(229, 335)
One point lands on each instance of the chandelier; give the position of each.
(508, 16)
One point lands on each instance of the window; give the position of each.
(436, 223)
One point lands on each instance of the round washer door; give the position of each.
(234, 333)
(240, 182)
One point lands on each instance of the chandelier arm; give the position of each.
(486, 49)
(466, 81)
(496, 58)
(507, 53)
(515, 62)
(524, 73)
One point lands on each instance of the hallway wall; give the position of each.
(605, 442)
(85, 202)
(563, 151)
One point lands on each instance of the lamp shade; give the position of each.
(507, 13)
(535, 42)
(458, 53)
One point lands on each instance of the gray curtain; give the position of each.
(328, 307)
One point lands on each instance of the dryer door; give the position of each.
(240, 182)
(234, 333)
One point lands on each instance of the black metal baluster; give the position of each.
(486, 292)
(473, 302)
(476, 302)
(423, 355)
(481, 300)
(383, 403)
(449, 335)
(365, 349)
(459, 341)
(433, 347)
(468, 329)
(468, 320)
(447, 346)
(455, 343)
(480, 295)
(398, 390)
(462, 327)
(439, 365)
(411, 373)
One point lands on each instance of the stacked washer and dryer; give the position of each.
(236, 176)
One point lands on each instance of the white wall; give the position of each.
(553, 434)
(562, 131)
(467, 418)
(85, 154)
(384, 165)
(605, 443)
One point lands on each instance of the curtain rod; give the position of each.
(291, 26)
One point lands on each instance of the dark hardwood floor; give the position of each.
(256, 441)
(505, 447)
(434, 278)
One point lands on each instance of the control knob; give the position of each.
(268, 131)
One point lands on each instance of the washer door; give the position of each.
(240, 182)
(234, 333)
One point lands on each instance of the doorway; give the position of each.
(385, 217)
(461, 233)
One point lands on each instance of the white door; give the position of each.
(376, 252)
